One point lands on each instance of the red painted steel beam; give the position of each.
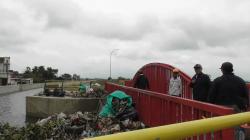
(220, 110)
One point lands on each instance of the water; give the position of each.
(13, 107)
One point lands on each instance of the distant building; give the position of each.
(14, 77)
(15, 81)
(4, 70)
(11, 77)
(27, 81)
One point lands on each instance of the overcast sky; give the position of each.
(77, 36)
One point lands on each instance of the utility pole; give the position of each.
(112, 52)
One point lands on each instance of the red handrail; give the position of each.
(159, 75)
(157, 109)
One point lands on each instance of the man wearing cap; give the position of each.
(175, 85)
(229, 90)
(200, 84)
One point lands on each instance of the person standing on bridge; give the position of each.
(200, 84)
(175, 85)
(141, 81)
(229, 90)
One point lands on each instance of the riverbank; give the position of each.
(18, 88)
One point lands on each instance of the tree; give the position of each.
(27, 73)
(35, 70)
(66, 76)
(51, 73)
(121, 78)
(40, 73)
(76, 77)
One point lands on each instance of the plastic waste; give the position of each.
(75, 126)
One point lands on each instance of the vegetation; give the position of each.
(52, 129)
(40, 74)
(122, 78)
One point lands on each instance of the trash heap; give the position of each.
(69, 127)
(95, 91)
(117, 115)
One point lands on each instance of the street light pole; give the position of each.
(113, 51)
(110, 66)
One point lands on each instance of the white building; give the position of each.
(4, 70)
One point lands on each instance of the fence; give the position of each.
(159, 75)
(156, 109)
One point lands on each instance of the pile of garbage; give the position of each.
(69, 127)
(95, 91)
(117, 115)
(83, 90)
(32, 131)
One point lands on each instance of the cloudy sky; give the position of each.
(77, 36)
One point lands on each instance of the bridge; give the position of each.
(157, 108)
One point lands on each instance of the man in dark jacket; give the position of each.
(200, 84)
(229, 90)
(141, 81)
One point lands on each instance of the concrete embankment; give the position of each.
(43, 106)
(17, 88)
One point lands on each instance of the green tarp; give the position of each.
(82, 88)
(107, 110)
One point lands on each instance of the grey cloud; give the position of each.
(67, 15)
(60, 14)
(224, 52)
(14, 32)
(59, 28)
(192, 34)
(114, 28)
(177, 44)
(137, 55)
(214, 33)
(172, 39)
(136, 50)
(12, 37)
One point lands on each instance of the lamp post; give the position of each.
(112, 52)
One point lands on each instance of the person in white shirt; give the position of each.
(175, 85)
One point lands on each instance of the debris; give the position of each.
(97, 84)
(61, 116)
(74, 126)
(118, 115)
(95, 92)
(43, 121)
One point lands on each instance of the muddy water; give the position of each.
(13, 107)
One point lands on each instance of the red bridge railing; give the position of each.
(159, 75)
(157, 109)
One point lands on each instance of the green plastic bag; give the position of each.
(82, 88)
(108, 110)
